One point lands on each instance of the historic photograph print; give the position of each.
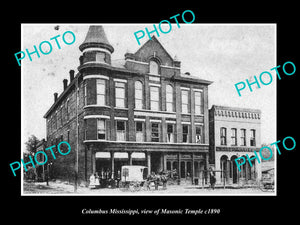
(175, 108)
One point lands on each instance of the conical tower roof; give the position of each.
(96, 37)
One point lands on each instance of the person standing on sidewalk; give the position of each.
(212, 176)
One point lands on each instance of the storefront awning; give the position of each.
(138, 155)
(102, 155)
(121, 155)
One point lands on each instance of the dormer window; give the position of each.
(153, 67)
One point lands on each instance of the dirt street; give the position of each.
(64, 188)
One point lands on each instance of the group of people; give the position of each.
(107, 180)
(104, 180)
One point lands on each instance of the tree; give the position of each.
(31, 146)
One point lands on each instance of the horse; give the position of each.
(159, 179)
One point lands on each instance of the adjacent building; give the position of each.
(234, 132)
(139, 111)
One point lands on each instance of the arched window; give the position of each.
(169, 98)
(138, 95)
(223, 136)
(153, 67)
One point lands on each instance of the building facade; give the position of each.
(234, 132)
(141, 111)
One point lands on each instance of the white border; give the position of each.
(142, 27)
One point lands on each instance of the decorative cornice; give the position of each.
(237, 114)
(237, 149)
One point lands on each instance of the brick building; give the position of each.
(142, 111)
(234, 132)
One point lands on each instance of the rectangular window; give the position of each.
(84, 93)
(199, 134)
(101, 129)
(154, 98)
(198, 101)
(138, 103)
(155, 132)
(170, 133)
(185, 133)
(169, 98)
(101, 92)
(184, 101)
(121, 131)
(139, 131)
(138, 95)
(223, 135)
(252, 138)
(233, 136)
(243, 137)
(120, 94)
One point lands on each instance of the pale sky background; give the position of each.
(223, 53)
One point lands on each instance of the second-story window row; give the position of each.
(234, 137)
(155, 97)
(155, 132)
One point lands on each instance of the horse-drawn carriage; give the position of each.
(267, 182)
(134, 178)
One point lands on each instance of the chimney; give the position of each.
(71, 75)
(55, 96)
(65, 81)
(129, 56)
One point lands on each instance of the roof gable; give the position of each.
(153, 49)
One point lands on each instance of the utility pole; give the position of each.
(77, 138)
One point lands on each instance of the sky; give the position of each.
(223, 53)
